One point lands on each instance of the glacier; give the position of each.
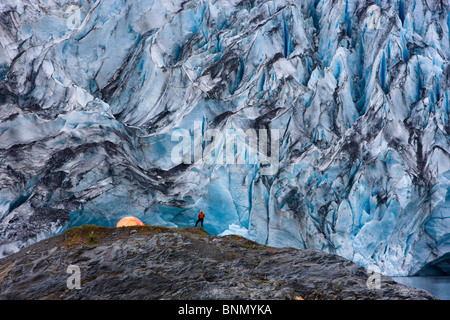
(95, 96)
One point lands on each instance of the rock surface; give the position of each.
(150, 262)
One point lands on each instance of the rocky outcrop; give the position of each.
(150, 262)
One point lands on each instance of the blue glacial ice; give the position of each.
(96, 97)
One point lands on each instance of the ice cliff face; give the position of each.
(95, 96)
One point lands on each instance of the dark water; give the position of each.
(436, 285)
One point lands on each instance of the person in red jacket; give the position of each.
(201, 216)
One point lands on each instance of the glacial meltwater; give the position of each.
(439, 286)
